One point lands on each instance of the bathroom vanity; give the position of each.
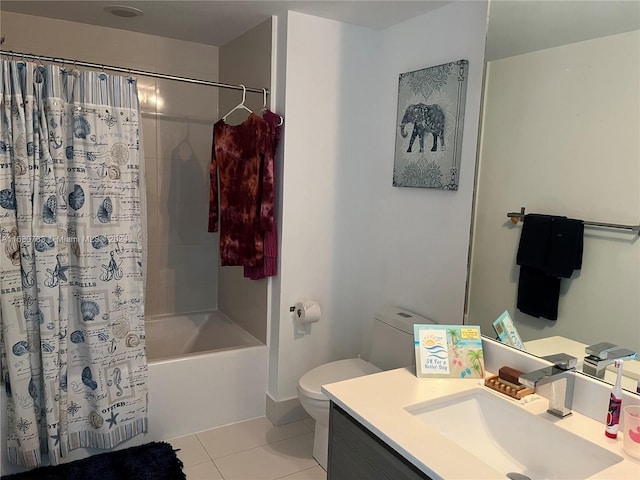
(393, 421)
(355, 452)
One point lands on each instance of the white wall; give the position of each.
(350, 240)
(423, 234)
(330, 78)
(569, 146)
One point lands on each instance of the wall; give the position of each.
(246, 60)
(568, 147)
(327, 67)
(350, 240)
(177, 146)
(422, 249)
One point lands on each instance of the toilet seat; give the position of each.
(311, 382)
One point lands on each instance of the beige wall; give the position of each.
(560, 136)
(182, 273)
(245, 60)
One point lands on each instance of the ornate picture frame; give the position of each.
(429, 126)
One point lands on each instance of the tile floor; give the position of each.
(251, 450)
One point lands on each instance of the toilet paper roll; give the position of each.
(305, 313)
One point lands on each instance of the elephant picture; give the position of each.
(425, 119)
(430, 101)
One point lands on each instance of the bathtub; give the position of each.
(177, 336)
(204, 372)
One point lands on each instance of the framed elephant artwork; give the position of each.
(429, 127)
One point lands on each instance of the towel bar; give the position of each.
(519, 216)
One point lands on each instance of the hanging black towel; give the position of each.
(550, 247)
(564, 254)
(538, 293)
(534, 241)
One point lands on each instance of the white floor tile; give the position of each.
(315, 473)
(191, 450)
(202, 471)
(271, 461)
(238, 437)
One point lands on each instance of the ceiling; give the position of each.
(515, 26)
(218, 22)
(522, 26)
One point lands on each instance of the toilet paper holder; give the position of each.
(304, 313)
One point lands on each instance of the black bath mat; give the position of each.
(152, 461)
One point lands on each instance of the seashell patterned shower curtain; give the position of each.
(71, 305)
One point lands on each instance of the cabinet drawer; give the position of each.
(356, 453)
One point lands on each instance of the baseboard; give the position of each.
(284, 411)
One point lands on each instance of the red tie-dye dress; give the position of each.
(239, 186)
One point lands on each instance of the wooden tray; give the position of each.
(508, 388)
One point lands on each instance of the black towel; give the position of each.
(534, 241)
(538, 293)
(550, 247)
(564, 254)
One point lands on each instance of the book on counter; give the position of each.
(448, 351)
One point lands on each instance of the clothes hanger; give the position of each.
(264, 105)
(240, 105)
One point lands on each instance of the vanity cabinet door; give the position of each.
(356, 453)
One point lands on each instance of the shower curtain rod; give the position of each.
(130, 71)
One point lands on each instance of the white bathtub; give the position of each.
(204, 372)
(177, 336)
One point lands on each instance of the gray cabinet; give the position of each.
(356, 453)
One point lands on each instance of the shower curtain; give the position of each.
(71, 304)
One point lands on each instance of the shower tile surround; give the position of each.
(177, 147)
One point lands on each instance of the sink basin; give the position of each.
(511, 439)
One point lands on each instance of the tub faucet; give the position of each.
(600, 355)
(560, 401)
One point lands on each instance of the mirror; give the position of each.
(560, 135)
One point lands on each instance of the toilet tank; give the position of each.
(392, 344)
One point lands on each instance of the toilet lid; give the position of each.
(337, 371)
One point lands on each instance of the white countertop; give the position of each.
(378, 402)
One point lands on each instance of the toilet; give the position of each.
(392, 346)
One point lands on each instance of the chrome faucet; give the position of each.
(600, 355)
(560, 401)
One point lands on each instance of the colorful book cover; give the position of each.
(507, 331)
(448, 351)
